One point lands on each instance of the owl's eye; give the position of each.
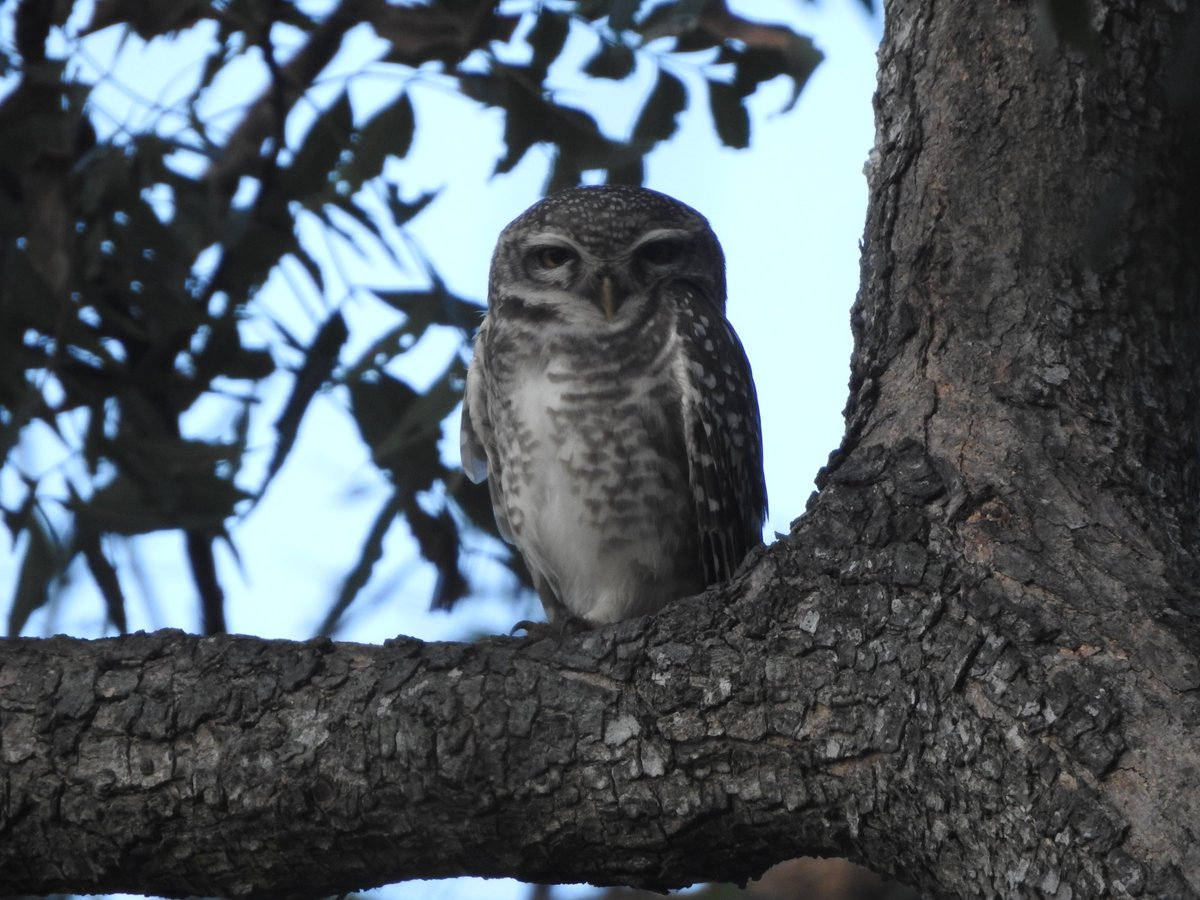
(660, 253)
(552, 256)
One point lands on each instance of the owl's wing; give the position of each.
(724, 441)
(475, 438)
(470, 441)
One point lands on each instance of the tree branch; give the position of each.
(869, 710)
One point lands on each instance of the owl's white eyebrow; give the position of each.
(662, 234)
(542, 238)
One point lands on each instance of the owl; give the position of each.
(610, 405)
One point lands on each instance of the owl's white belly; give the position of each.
(602, 511)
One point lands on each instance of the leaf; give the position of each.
(20, 519)
(524, 123)
(163, 483)
(436, 306)
(672, 20)
(613, 61)
(631, 172)
(148, 20)
(46, 559)
(546, 38)
(657, 120)
(320, 360)
(104, 575)
(401, 426)
(308, 178)
(795, 56)
(388, 133)
(202, 502)
(446, 32)
(403, 212)
(621, 13)
(438, 540)
(729, 115)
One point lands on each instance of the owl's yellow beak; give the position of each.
(608, 297)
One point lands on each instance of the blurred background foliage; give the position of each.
(133, 256)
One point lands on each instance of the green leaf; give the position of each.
(729, 115)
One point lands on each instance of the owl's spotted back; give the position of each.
(611, 406)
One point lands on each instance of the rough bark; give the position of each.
(973, 665)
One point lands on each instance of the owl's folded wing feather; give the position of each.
(724, 442)
(479, 457)
(470, 440)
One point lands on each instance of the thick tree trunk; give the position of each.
(973, 665)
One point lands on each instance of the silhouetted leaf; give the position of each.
(388, 133)
(17, 520)
(621, 13)
(309, 177)
(402, 426)
(421, 33)
(319, 363)
(657, 120)
(796, 58)
(401, 211)
(148, 20)
(383, 409)
(436, 306)
(163, 483)
(614, 61)
(438, 540)
(546, 38)
(672, 20)
(104, 575)
(46, 559)
(631, 172)
(729, 115)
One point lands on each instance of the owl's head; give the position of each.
(591, 255)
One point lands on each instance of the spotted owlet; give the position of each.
(610, 405)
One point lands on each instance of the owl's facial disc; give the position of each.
(607, 279)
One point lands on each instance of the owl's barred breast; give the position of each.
(599, 502)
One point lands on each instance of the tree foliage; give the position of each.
(135, 254)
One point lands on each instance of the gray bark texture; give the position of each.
(973, 664)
